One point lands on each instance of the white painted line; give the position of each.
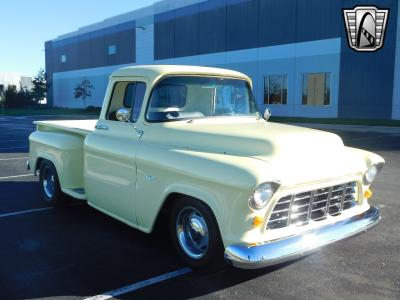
(23, 212)
(7, 141)
(13, 158)
(8, 148)
(16, 176)
(140, 284)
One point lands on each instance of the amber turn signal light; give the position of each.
(258, 221)
(368, 193)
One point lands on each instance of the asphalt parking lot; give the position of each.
(77, 252)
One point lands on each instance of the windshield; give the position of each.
(189, 97)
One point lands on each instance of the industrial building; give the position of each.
(295, 51)
(16, 79)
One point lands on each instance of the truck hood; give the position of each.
(248, 137)
(312, 155)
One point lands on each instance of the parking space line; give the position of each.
(14, 158)
(9, 148)
(8, 141)
(23, 212)
(140, 284)
(16, 176)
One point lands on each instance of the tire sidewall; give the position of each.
(214, 254)
(56, 198)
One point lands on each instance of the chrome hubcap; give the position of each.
(192, 232)
(48, 182)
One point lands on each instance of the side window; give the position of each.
(138, 100)
(127, 95)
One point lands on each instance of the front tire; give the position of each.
(50, 184)
(195, 234)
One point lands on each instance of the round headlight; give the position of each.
(370, 175)
(261, 195)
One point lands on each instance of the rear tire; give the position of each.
(195, 234)
(50, 184)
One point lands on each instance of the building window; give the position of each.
(316, 89)
(112, 49)
(275, 89)
(63, 58)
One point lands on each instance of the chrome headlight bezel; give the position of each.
(370, 174)
(262, 194)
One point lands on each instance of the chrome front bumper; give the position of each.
(278, 251)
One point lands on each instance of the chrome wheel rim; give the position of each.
(48, 182)
(192, 232)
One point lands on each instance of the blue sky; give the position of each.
(26, 24)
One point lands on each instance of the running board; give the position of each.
(78, 193)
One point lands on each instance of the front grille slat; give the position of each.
(316, 205)
(290, 209)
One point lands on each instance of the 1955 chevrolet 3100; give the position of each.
(187, 144)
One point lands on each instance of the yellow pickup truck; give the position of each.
(186, 147)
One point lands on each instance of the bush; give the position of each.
(14, 98)
(92, 108)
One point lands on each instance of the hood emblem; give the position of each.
(267, 114)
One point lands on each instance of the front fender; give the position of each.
(223, 182)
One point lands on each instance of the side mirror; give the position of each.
(123, 115)
(267, 114)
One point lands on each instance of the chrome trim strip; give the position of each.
(285, 249)
(328, 201)
(311, 204)
(343, 197)
(290, 210)
(101, 127)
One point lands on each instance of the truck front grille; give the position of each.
(300, 209)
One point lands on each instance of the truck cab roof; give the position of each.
(153, 72)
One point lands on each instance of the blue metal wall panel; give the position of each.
(277, 22)
(242, 25)
(164, 36)
(186, 32)
(91, 50)
(317, 20)
(95, 34)
(212, 27)
(223, 25)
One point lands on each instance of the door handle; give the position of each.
(101, 127)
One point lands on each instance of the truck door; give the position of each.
(110, 151)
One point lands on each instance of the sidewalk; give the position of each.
(354, 128)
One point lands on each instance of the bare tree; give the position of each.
(83, 90)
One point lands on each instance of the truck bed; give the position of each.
(62, 143)
(82, 127)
